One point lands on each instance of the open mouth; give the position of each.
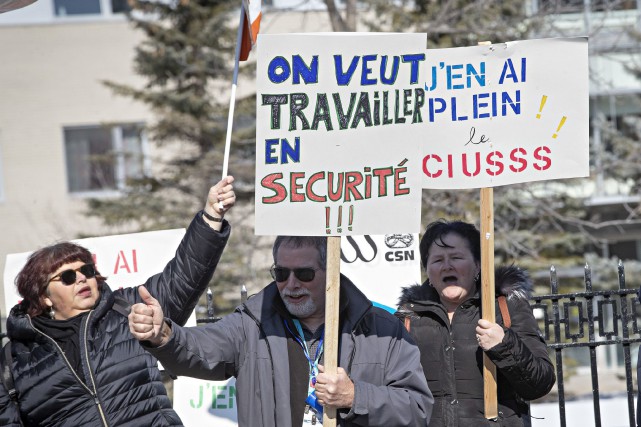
(450, 280)
(296, 298)
(84, 292)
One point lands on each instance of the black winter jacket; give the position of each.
(123, 385)
(453, 361)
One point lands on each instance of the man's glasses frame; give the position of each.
(68, 277)
(304, 274)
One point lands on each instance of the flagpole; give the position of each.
(232, 99)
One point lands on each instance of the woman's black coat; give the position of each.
(453, 361)
(123, 386)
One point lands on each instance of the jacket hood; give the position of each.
(511, 281)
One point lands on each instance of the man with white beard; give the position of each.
(273, 345)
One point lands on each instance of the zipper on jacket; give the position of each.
(64, 357)
(93, 381)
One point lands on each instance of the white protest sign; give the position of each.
(380, 265)
(506, 113)
(200, 402)
(337, 134)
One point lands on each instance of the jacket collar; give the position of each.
(511, 281)
(19, 324)
(267, 304)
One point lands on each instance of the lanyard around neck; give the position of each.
(300, 338)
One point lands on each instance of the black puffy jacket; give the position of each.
(123, 385)
(453, 361)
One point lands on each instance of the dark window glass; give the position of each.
(76, 7)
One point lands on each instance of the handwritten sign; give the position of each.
(338, 131)
(506, 113)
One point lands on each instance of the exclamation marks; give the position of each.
(339, 222)
(543, 99)
(558, 129)
(327, 230)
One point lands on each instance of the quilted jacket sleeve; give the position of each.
(185, 277)
(522, 357)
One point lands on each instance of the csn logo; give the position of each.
(400, 242)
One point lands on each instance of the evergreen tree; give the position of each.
(186, 60)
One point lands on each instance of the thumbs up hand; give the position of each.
(146, 320)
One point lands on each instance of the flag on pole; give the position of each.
(251, 25)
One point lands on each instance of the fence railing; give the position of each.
(590, 319)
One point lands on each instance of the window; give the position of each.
(103, 158)
(76, 7)
(89, 7)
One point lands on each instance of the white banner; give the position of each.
(337, 133)
(380, 265)
(506, 113)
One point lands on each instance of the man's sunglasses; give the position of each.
(68, 277)
(304, 274)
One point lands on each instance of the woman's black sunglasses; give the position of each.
(304, 274)
(68, 277)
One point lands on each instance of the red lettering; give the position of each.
(334, 196)
(294, 187)
(492, 162)
(310, 192)
(270, 183)
(427, 172)
(382, 175)
(125, 264)
(547, 162)
(352, 180)
(398, 181)
(514, 156)
(477, 166)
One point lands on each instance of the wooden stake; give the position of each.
(487, 296)
(332, 289)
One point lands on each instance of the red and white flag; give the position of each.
(251, 25)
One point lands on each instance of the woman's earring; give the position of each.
(477, 277)
(52, 314)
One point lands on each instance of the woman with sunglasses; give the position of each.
(73, 360)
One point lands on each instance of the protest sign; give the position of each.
(337, 133)
(201, 402)
(381, 265)
(506, 113)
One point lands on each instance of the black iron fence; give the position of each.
(591, 319)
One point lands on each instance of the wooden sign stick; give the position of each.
(332, 289)
(487, 296)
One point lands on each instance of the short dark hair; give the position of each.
(435, 231)
(33, 279)
(318, 242)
